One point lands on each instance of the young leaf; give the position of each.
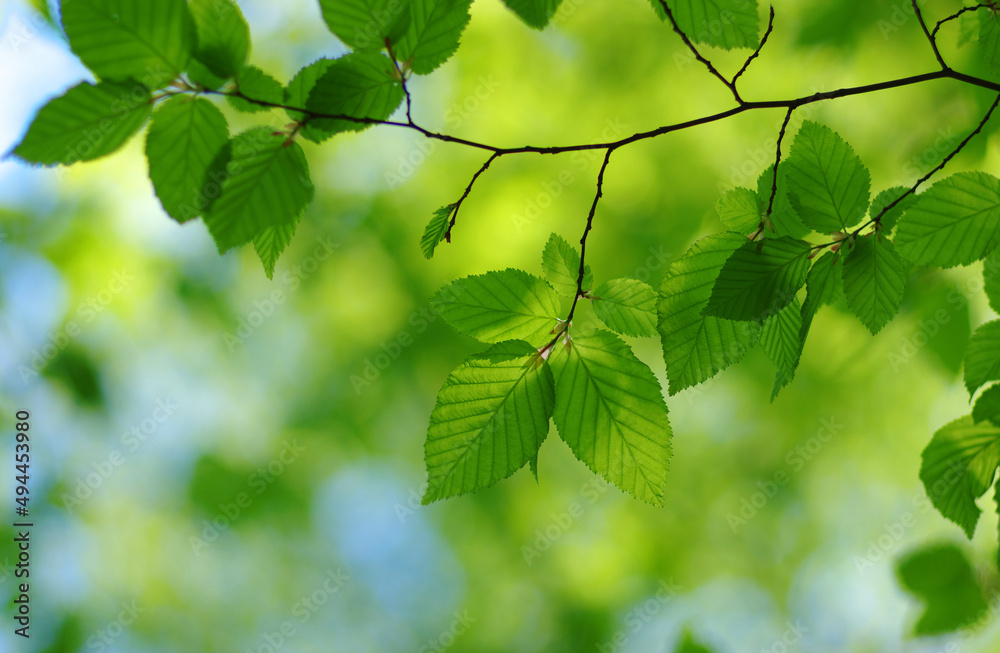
(364, 25)
(148, 42)
(988, 406)
(435, 28)
(271, 242)
(828, 185)
(627, 306)
(759, 279)
(356, 85)
(561, 263)
(958, 467)
(610, 411)
(942, 577)
(784, 220)
(254, 84)
(497, 306)
(982, 357)
(223, 36)
(534, 13)
(86, 123)
(989, 40)
(780, 338)
(723, 23)
(185, 137)
(491, 416)
(740, 210)
(874, 280)
(267, 184)
(436, 230)
(892, 216)
(955, 222)
(695, 346)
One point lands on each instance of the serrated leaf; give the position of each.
(502, 305)
(271, 242)
(987, 408)
(267, 184)
(784, 221)
(255, 84)
(435, 29)
(780, 337)
(185, 137)
(364, 25)
(610, 411)
(436, 230)
(885, 198)
(356, 85)
(490, 419)
(982, 357)
(627, 306)
(695, 346)
(561, 264)
(740, 210)
(759, 279)
(723, 23)
(119, 40)
(991, 281)
(297, 95)
(86, 123)
(955, 222)
(534, 13)
(874, 280)
(945, 581)
(223, 36)
(958, 467)
(989, 40)
(828, 185)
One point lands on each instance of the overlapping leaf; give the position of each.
(561, 263)
(722, 23)
(223, 36)
(874, 280)
(297, 95)
(627, 306)
(982, 357)
(759, 279)
(784, 220)
(254, 84)
(780, 338)
(435, 29)
(357, 85)
(987, 407)
(740, 210)
(364, 25)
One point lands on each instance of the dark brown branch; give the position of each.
(927, 33)
(697, 55)
(777, 161)
(468, 189)
(982, 5)
(756, 53)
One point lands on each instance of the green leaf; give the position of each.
(435, 29)
(982, 357)
(740, 210)
(991, 281)
(955, 222)
(436, 230)
(534, 13)
(828, 185)
(627, 306)
(780, 338)
(297, 95)
(497, 306)
(86, 123)
(271, 242)
(989, 40)
(874, 280)
(267, 184)
(149, 42)
(45, 10)
(223, 36)
(695, 346)
(610, 411)
(759, 279)
(561, 263)
(784, 221)
(364, 25)
(958, 467)
(490, 419)
(185, 137)
(254, 84)
(892, 216)
(987, 407)
(943, 579)
(723, 23)
(356, 85)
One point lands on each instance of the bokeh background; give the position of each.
(210, 466)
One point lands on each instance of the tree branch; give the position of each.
(697, 55)
(756, 53)
(929, 35)
(777, 161)
(468, 189)
(982, 5)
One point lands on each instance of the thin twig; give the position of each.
(981, 5)
(468, 189)
(927, 33)
(777, 161)
(697, 55)
(756, 53)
